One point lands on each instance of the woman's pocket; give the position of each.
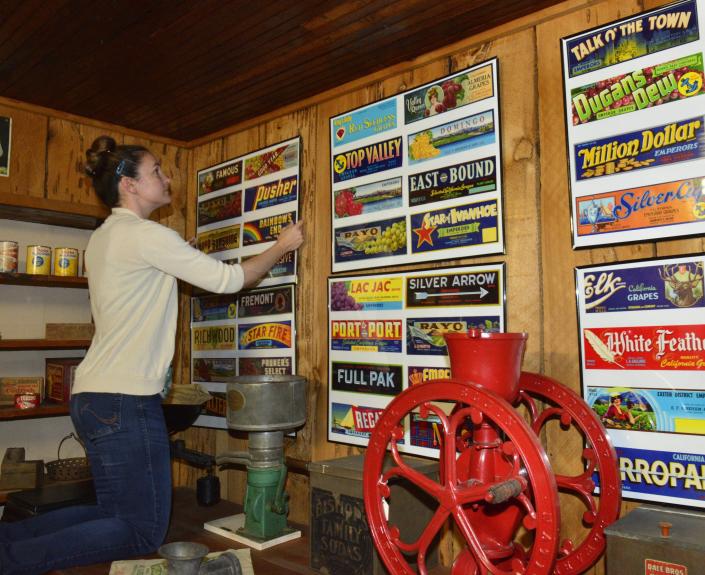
(96, 415)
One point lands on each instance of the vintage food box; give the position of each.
(59, 377)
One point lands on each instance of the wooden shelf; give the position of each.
(32, 344)
(56, 213)
(44, 410)
(52, 212)
(43, 281)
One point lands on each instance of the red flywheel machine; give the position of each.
(495, 481)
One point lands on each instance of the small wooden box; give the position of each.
(18, 473)
(11, 386)
(65, 331)
(59, 377)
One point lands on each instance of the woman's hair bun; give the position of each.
(107, 164)
(96, 155)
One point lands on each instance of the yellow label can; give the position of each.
(8, 257)
(39, 260)
(65, 262)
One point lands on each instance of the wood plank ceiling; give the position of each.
(184, 69)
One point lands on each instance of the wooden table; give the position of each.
(291, 558)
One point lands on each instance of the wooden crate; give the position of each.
(341, 541)
(18, 473)
(69, 331)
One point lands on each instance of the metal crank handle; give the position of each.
(504, 491)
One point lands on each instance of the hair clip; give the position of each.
(120, 168)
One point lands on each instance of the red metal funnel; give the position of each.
(491, 360)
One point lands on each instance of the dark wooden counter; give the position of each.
(291, 558)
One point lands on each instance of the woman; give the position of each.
(615, 413)
(433, 103)
(132, 264)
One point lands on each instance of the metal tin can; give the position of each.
(26, 400)
(8, 256)
(39, 260)
(65, 262)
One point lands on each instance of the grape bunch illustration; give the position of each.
(392, 239)
(450, 93)
(340, 299)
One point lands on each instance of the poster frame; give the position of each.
(288, 280)
(641, 384)
(405, 360)
(5, 140)
(237, 253)
(481, 244)
(219, 386)
(609, 228)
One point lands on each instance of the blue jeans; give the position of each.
(128, 446)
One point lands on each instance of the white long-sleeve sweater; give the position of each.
(132, 266)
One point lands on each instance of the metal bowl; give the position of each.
(266, 402)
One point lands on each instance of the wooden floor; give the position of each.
(291, 558)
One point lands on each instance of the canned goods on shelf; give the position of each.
(39, 260)
(8, 256)
(65, 262)
(26, 400)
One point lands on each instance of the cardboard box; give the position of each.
(11, 386)
(59, 377)
(69, 331)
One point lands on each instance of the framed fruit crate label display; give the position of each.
(249, 333)
(633, 92)
(642, 349)
(385, 334)
(243, 203)
(417, 177)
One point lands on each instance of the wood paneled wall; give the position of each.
(539, 257)
(48, 155)
(47, 151)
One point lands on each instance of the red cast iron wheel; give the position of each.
(538, 496)
(599, 458)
